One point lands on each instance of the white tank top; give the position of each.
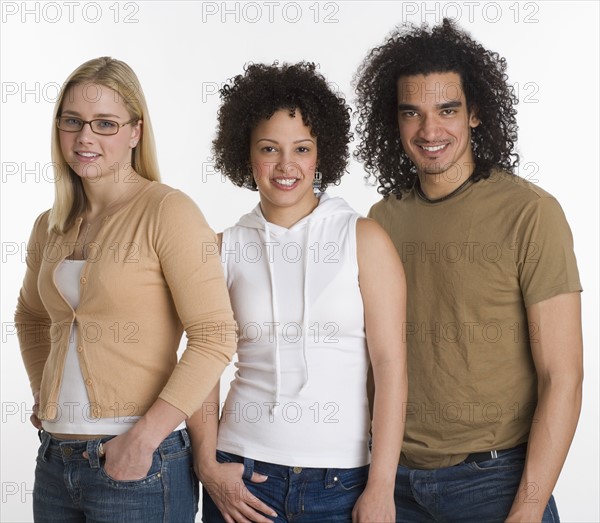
(74, 416)
(299, 395)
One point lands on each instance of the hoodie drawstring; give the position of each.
(273, 408)
(305, 310)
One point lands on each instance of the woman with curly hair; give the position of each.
(304, 273)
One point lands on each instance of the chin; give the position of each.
(434, 171)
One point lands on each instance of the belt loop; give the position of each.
(92, 449)
(331, 477)
(248, 468)
(186, 438)
(45, 439)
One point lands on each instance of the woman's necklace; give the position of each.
(102, 215)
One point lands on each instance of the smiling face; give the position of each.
(435, 126)
(93, 155)
(283, 155)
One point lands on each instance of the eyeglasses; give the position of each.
(71, 124)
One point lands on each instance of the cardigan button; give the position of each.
(83, 280)
(80, 348)
(88, 381)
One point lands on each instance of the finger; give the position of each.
(252, 502)
(85, 455)
(258, 478)
(244, 503)
(241, 518)
(265, 509)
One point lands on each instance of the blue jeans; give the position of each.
(468, 492)
(69, 488)
(303, 495)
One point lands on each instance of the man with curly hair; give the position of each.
(493, 320)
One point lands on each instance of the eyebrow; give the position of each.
(276, 142)
(97, 115)
(446, 105)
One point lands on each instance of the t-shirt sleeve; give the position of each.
(546, 261)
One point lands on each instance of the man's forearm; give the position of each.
(552, 430)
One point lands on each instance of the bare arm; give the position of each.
(203, 428)
(223, 481)
(557, 348)
(383, 289)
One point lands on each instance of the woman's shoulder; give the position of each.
(368, 228)
(41, 224)
(159, 196)
(158, 192)
(43, 219)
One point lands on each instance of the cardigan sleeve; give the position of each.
(32, 320)
(189, 257)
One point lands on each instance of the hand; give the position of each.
(237, 504)
(374, 506)
(126, 459)
(35, 421)
(522, 519)
(523, 516)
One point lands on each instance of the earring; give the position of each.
(317, 181)
(249, 182)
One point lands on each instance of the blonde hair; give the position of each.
(69, 198)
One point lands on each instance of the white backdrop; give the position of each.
(183, 50)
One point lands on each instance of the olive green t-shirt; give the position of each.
(474, 262)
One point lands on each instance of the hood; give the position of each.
(327, 207)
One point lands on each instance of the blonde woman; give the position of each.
(116, 271)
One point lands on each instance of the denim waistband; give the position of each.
(72, 450)
(478, 457)
(328, 475)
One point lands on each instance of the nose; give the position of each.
(85, 134)
(286, 164)
(282, 162)
(430, 128)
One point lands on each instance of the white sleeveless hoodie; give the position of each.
(299, 395)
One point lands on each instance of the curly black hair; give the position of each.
(258, 94)
(409, 51)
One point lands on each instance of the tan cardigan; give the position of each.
(154, 272)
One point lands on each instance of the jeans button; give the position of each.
(67, 451)
(297, 470)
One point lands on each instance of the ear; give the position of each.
(474, 120)
(136, 134)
